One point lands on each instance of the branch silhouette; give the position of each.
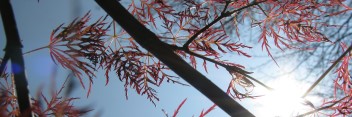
(13, 51)
(151, 42)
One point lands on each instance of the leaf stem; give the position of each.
(36, 50)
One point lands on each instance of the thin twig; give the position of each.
(263, 10)
(226, 6)
(237, 69)
(190, 40)
(222, 15)
(244, 7)
(326, 72)
(322, 108)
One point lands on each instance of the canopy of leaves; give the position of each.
(200, 31)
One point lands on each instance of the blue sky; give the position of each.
(35, 22)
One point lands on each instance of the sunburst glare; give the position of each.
(284, 100)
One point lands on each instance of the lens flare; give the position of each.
(284, 100)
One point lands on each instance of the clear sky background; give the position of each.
(35, 22)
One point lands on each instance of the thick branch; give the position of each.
(327, 71)
(150, 42)
(14, 52)
(3, 64)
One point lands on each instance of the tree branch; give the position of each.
(322, 108)
(3, 64)
(190, 40)
(222, 15)
(253, 3)
(151, 42)
(327, 71)
(262, 10)
(14, 51)
(237, 69)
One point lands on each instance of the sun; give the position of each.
(284, 100)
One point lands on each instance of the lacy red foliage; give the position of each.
(344, 108)
(293, 21)
(202, 114)
(57, 105)
(8, 99)
(138, 70)
(239, 81)
(179, 107)
(197, 30)
(343, 81)
(79, 41)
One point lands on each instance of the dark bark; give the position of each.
(150, 42)
(13, 50)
